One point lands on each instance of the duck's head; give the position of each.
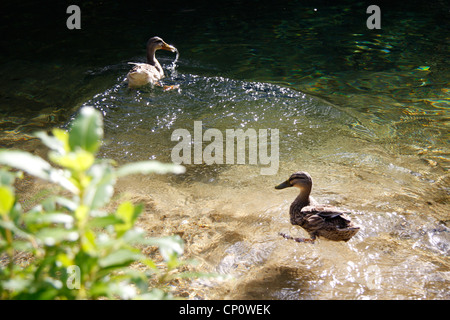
(301, 180)
(157, 43)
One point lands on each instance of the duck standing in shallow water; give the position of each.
(150, 72)
(320, 221)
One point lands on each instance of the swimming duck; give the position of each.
(318, 220)
(150, 72)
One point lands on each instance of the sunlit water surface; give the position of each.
(230, 215)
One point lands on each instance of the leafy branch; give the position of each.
(78, 250)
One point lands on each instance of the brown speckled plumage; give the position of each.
(318, 220)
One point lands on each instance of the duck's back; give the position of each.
(328, 222)
(143, 73)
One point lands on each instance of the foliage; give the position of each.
(78, 251)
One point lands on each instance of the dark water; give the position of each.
(364, 111)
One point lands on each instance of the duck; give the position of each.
(151, 72)
(318, 220)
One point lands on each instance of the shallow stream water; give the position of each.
(364, 112)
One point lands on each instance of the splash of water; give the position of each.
(173, 66)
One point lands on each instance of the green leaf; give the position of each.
(101, 222)
(53, 236)
(51, 142)
(27, 162)
(65, 260)
(35, 166)
(63, 137)
(128, 213)
(135, 236)
(87, 130)
(89, 244)
(101, 187)
(23, 246)
(124, 290)
(100, 289)
(114, 289)
(82, 214)
(168, 246)
(50, 218)
(155, 294)
(149, 263)
(49, 205)
(16, 284)
(11, 226)
(145, 167)
(6, 200)
(121, 257)
(6, 178)
(79, 160)
(66, 203)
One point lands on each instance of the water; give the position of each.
(230, 215)
(173, 67)
(365, 113)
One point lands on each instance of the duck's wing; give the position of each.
(137, 63)
(325, 212)
(140, 67)
(330, 215)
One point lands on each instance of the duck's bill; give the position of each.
(283, 185)
(168, 47)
